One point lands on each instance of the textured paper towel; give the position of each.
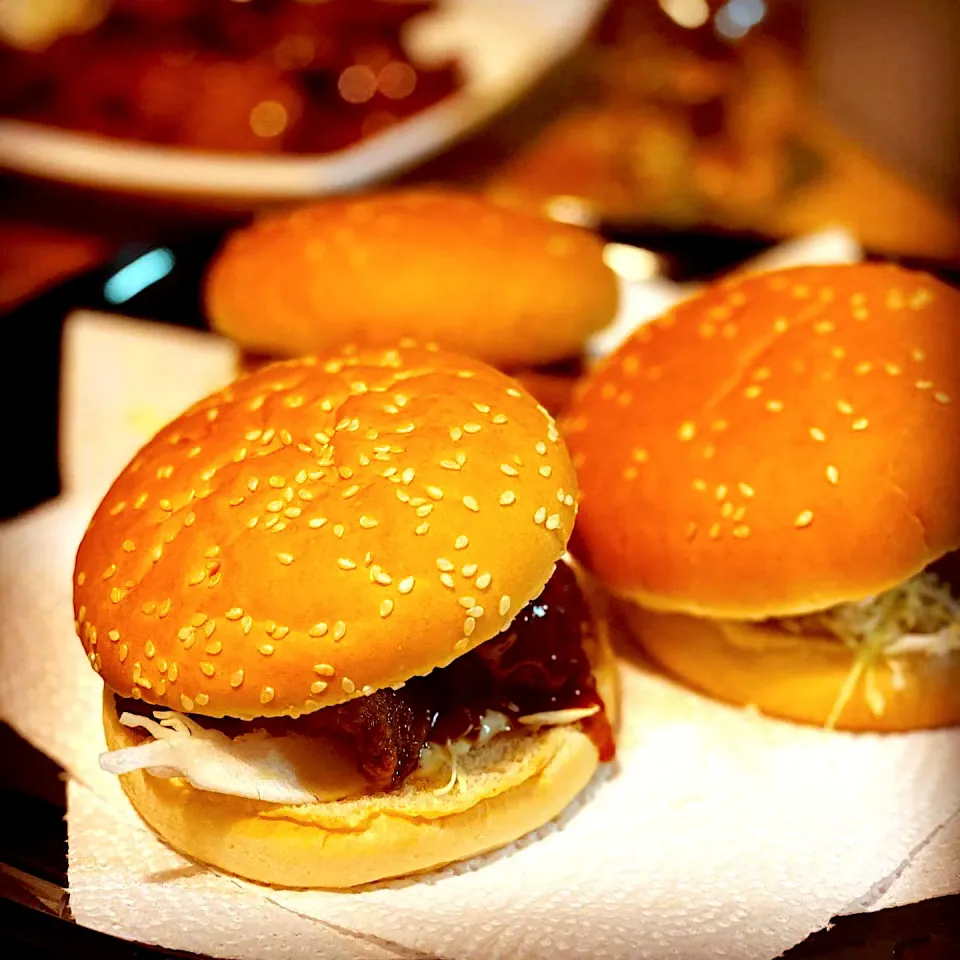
(720, 833)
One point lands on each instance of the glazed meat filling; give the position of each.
(539, 665)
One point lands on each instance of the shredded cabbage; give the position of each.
(255, 766)
(918, 616)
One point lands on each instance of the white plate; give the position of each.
(503, 46)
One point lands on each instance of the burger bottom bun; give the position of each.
(798, 678)
(513, 784)
(552, 389)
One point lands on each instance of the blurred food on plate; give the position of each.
(266, 76)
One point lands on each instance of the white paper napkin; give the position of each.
(719, 833)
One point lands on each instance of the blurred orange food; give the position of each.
(263, 76)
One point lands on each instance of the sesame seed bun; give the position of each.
(777, 445)
(800, 678)
(513, 784)
(507, 287)
(321, 529)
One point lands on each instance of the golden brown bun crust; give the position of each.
(506, 287)
(796, 678)
(511, 786)
(782, 443)
(256, 559)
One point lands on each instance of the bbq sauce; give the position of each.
(539, 664)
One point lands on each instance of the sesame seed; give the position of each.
(844, 407)
(804, 519)
(507, 497)
(275, 506)
(345, 563)
(726, 509)
(739, 513)
(469, 625)
(318, 686)
(285, 558)
(860, 424)
(323, 669)
(818, 434)
(924, 384)
(774, 406)
(471, 503)
(753, 391)
(405, 585)
(941, 397)
(236, 678)
(186, 702)
(444, 564)
(351, 491)
(317, 522)
(823, 326)
(509, 470)
(207, 669)
(504, 605)
(741, 531)
(338, 530)
(421, 529)
(386, 607)
(918, 355)
(292, 512)
(339, 629)
(714, 531)
(447, 580)
(425, 510)
(348, 685)
(540, 515)
(721, 492)
(553, 521)
(267, 694)
(686, 431)
(318, 630)
(833, 474)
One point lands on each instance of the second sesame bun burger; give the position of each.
(770, 480)
(514, 289)
(337, 636)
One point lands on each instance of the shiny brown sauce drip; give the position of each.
(538, 664)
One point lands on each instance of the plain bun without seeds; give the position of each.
(769, 483)
(315, 536)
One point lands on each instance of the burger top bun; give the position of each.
(320, 529)
(507, 287)
(780, 443)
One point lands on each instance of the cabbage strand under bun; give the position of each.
(769, 478)
(310, 599)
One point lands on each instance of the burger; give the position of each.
(770, 483)
(338, 637)
(511, 288)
